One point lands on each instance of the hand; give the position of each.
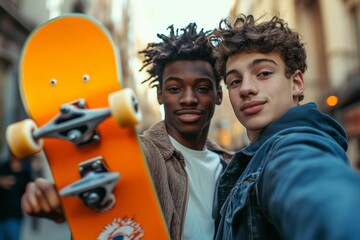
(7, 182)
(41, 199)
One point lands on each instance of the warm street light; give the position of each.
(332, 101)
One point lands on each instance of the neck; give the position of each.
(195, 141)
(253, 135)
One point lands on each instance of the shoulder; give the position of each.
(155, 142)
(224, 153)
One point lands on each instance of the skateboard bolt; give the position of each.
(74, 135)
(92, 198)
(81, 103)
(96, 138)
(65, 108)
(96, 165)
(85, 78)
(53, 82)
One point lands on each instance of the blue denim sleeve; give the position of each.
(309, 191)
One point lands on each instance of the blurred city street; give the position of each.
(331, 33)
(42, 229)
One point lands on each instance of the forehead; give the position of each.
(250, 59)
(182, 69)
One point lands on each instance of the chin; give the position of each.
(255, 126)
(191, 130)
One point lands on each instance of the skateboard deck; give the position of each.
(69, 67)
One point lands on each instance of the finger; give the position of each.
(49, 193)
(42, 202)
(25, 205)
(36, 201)
(29, 201)
(50, 200)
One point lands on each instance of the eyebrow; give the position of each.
(196, 80)
(252, 64)
(260, 60)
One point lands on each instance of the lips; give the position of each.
(188, 116)
(252, 107)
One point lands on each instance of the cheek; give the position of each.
(282, 95)
(233, 97)
(169, 99)
(209, 102)
(281, 88)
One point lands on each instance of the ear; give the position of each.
(219, 95)
(298, 85)
(159, 95)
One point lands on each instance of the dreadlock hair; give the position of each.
(246, 34)
(189, 45)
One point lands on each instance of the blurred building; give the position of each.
(19, 17)
(14, 28)
(330, 29)
(118, 16)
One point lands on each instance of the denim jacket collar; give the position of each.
(291, 118)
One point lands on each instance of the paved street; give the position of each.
(41, 229)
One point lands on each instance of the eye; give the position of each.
(234, 82)
(85, 78)
(203, 89)
(174, 89)
(53, 82)
(264, 74)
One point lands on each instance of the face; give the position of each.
(259, 91)
(189, 95)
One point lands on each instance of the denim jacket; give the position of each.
(293, 182)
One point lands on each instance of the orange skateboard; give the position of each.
(84, 123)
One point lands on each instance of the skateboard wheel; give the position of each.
(124, 107)
(20, 140)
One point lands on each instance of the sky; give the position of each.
(154, 16)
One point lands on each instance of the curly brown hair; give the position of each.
(189, 45)
(246, 34)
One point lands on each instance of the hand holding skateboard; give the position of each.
(83, 120)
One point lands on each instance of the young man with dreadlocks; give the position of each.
(184, 163)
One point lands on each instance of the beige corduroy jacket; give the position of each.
(167, 167)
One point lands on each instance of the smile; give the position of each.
(252, 107)
(188, 116)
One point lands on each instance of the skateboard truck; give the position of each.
(74, 123)
(96, 185)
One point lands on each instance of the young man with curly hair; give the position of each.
(294, 180)
(183, 162)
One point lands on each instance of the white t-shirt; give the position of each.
(203, 169)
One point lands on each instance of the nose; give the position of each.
(189, 97)
(248, 87)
